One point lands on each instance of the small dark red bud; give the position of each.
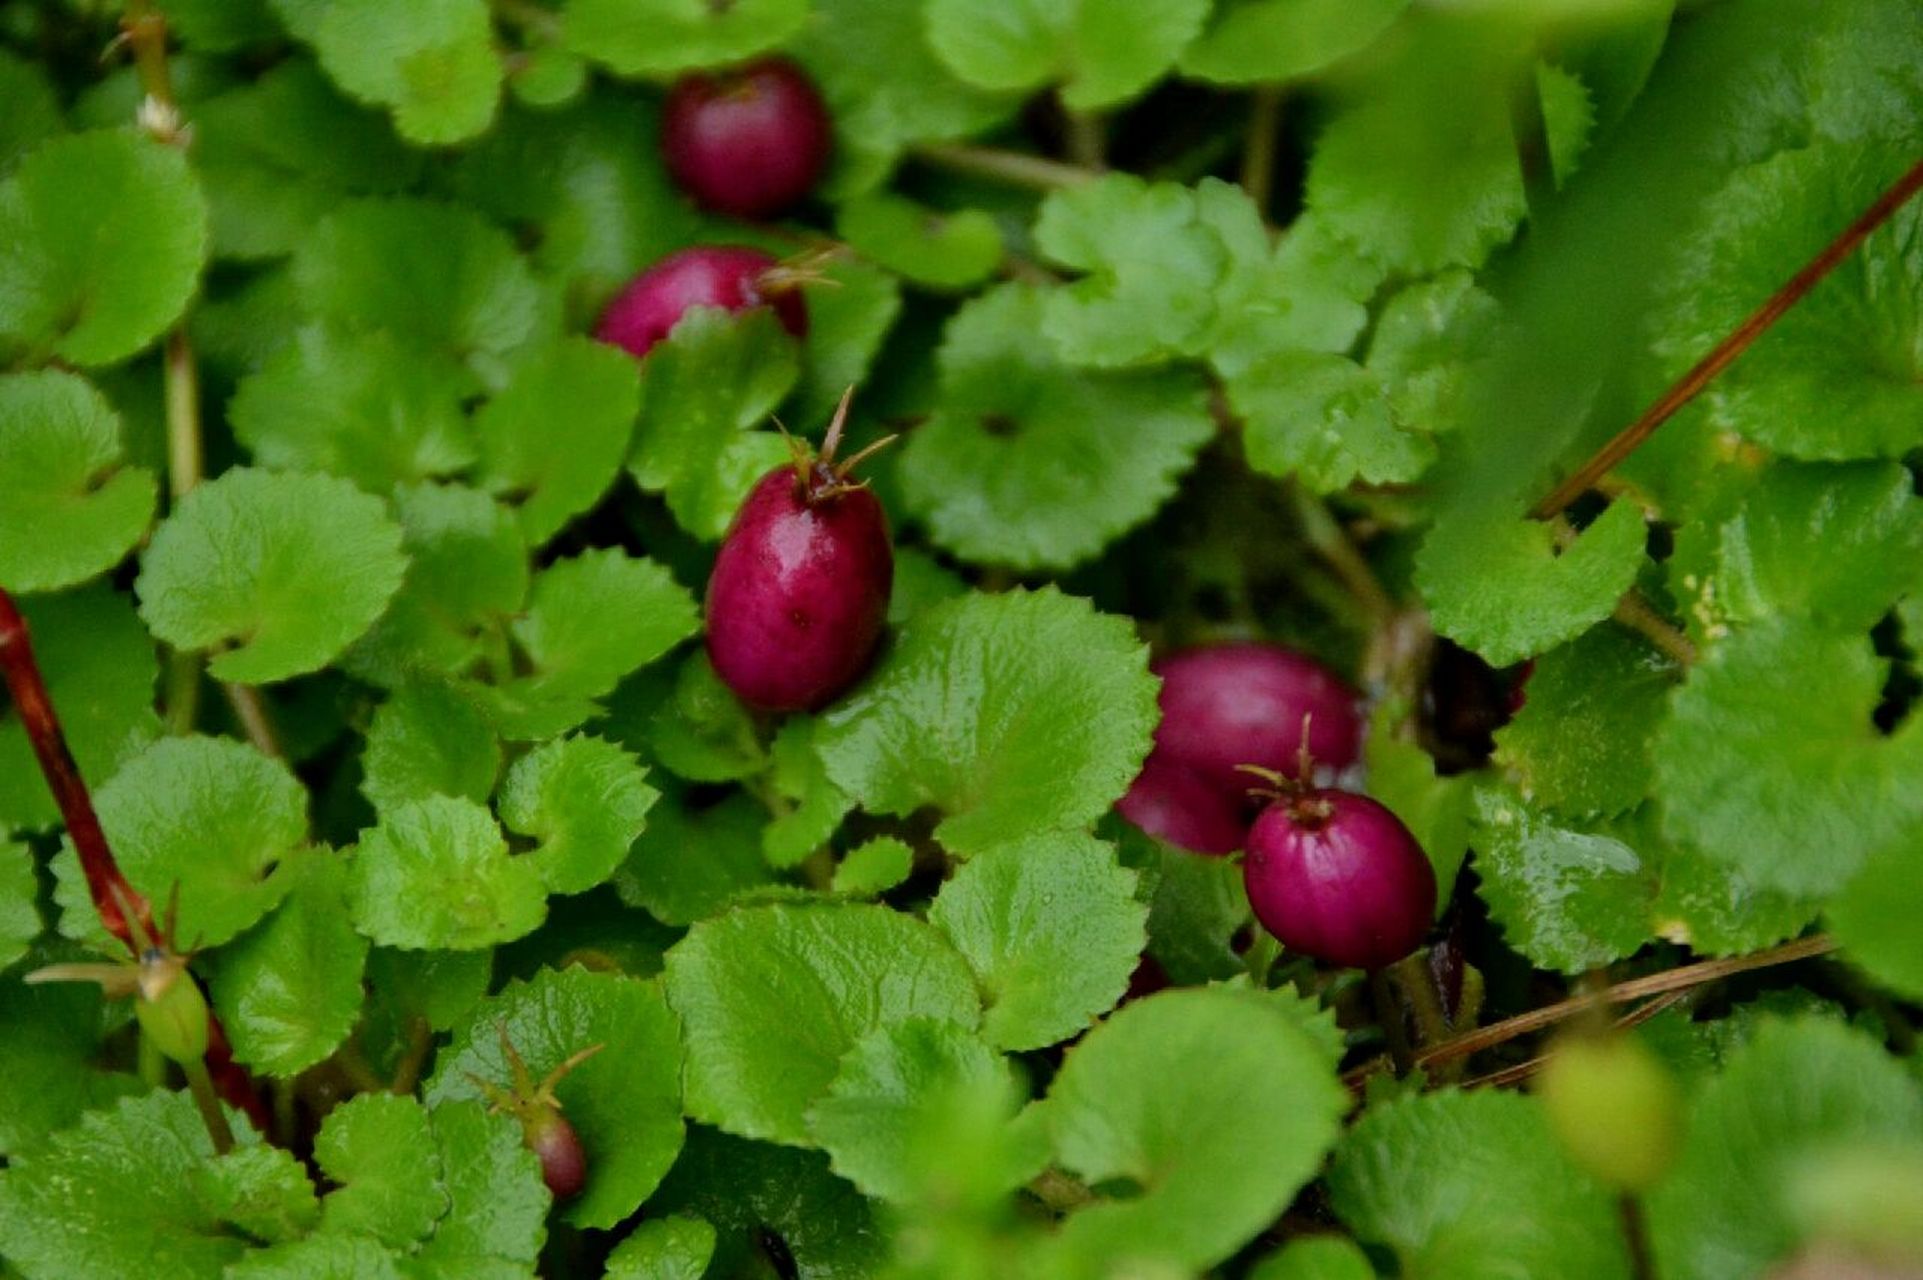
(564, 1165)
(750, 142)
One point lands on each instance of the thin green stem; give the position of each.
(251, 710)
(1258, 147)
(1531, 133)
(201, 1084)
(1087, 138)
(420, 1041)
(1325, 533)
(359, 1072)
(1629, 1211)
(1016, 168)
(1388, 1016)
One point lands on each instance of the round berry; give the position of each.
(749, 142)
(732, 277)
(1615, 1108)
(1336, 876)
(1173, 802)
(1231, 705)
(564, 1165)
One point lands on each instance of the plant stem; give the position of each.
(1523, 1070)
(1531, 134)
(1388, 1016)
(184, 454)
(146, 31)
(1636, 613)
(1087, 138)
(1258, 149)
(1326, 534)
(251, 710)
(1015, 168)
(359, 1072)
(182, 695)
(201, 1085)
(1725, 353)
(1635, 1236)
(420, 1040)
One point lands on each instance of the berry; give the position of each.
(1614, 1107)
(1231, 705)
(800, 587)
(564, 1165)
(728, 276)
(1172, 802)
(749, 142)
(1336, 876)
(544, 1130)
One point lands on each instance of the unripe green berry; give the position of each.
(174, 1018)
(1615, 1108)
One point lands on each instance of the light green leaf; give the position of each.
(771, 997)
(1426, 339)
(1874, 916)
(319, 1257)
(1316, 1258)
(53, 1075)
(1052, 929)
(70, 507)
(432, 63)
(99, 666)
(663, 1249)
(1435, 807)
(438, 986)
(1030, 463)
(261, 1190)
(717, 375)
(360, 405)
(1717, 909)
(1770, 761)
(850, 314)
(1152, 268)
(624, 1102)
(498, 1205)
(1795, 1088)
(661, 37)
(1462, 1186)
(19, 888)
(33, 112)
(700, 731)
(691, 863)
(1265, 41)
(1102, 51)
(291, 567)
(931, 247)
(1196, 907)
(1496, 584)
(61, 294)
(1012, 714)
(817, 805)
(436, 873)
(289, 990)
(1217, 1104)
(1326, 420)
(585, 800)
(378, 1151)
(873, 867)
(595, 390)
(210, 815)
(1305, 291)
(429, 739)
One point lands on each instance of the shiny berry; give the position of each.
(749, 142)
(1225, 706)
(1173, 802)
(727, 276)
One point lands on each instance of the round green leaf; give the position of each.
(1102, 50)
(1013, 714)
(19, 890)
(1029, 463)
(436, 873)
(1325, 420)
(691, 863)
(663, 1249)
(771, 997)
(624, 1102)
(53, 1074)
(378, 1151)
(429, 739)
(497, 1204)
(1316, 1258)
(70, 507)
(319, 1257)
(1051, 927)
(290, 568)
(1217, 1104)
(33, 112)
(874, 867)
(102, 236)
(660, 37)
(585, 800)
(1265, 41)
(947, 250)
(431, 62)
(1874, 916)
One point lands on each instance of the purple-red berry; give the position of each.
(732, 277)
(1172, 802)
(750, 141)
(1336, 876)
(564, 1165)
(1225, 706)
(799, 592)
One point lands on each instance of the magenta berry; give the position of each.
(749, 142)
(564, 1165)
(728, 276)
(800, 587)
(1231, 705)
(544, 1130)
(1173, 802)
(1336, 876)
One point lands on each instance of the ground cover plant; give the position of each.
(1050, 639)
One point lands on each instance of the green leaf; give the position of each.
(429, 739)
(33, 112)
(1101, 51)
(289, 990)
(53, 1074)
(433, 64)
(929, 246)
(1495, 584)
(117, 1196)
(1217, 1104)
(748, 1190)
(1580, 743)
(816, 804)
(261, 1190)
(1305, 291)
(210, 815)
(1326, 420)
(1152, 268)
(1473, 1185)
(874, 867)
(691, 863)
(61, 294)
(378, 1151)
(70, 507)
(1795, 1088)
(849, 316)
(717, 375)
(1012, 714)
(771, 997)
(1316, 1258)
(548, 76)
(359, 405)
(467, 571)
(19, 888)
(1771, 763)
(663, 1249)
(1837, 376)
(319, 1257)
(1426, 339)
(1052, 929)
(1717, 909)
(590, 620)
(496, 1219)
(874, 1117)
(585, 800)
(1265, 41)
(438, 986)
(1030, 463)
(624, 1102)
(1435, 807)
(1874, 916)
(1754, 563)
(99, 667)
(701, 731)
(1195, 910)
(436, 275)
(661, 37)
(596, 388)
(291, 567)
(436, 873)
